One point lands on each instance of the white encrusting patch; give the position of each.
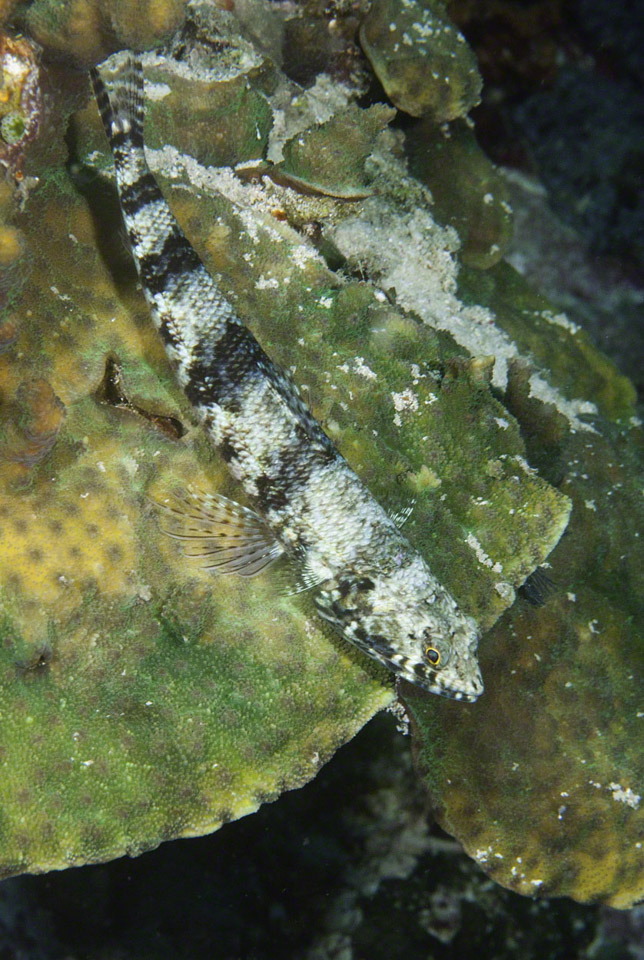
(481, 555)
(267, 283)
(625, 795)
(410, 253)
(405, 400)
(156, 91)
(505, 591)
(360, 366)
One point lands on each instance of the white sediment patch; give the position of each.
(406, 400)
(156, 91)
(627, 796)
(409, 252)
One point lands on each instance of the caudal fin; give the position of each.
(122, 106)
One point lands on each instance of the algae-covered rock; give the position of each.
(330, 158)
(421, 58)
(141, 699)
(476, 203)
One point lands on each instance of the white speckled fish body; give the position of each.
(368, 581)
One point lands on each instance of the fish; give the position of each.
(308, 505)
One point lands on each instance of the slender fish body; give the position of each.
(368, 581)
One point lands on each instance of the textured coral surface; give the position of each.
(86, 30)
(542, 779)
(421, 58)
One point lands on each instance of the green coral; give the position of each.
(421, 58)
(476, 203)
(541, 781)
(191, 699)
(230, 117)
(330, 158)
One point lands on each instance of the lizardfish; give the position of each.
(367, 579)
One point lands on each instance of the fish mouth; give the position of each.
(449, 693)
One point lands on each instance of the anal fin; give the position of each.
(221, 535)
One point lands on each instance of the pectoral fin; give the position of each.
(223, 536)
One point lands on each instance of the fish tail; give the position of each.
(120, 99)
(122, 109)
(187, 306)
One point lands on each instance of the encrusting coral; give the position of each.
(421, 58)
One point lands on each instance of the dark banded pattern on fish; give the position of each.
(368, 581)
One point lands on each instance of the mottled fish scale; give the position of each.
(376, 590)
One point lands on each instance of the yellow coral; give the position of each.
(141, 24)
(87, 30)
(10, 244)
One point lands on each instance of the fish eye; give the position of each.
(433, 655)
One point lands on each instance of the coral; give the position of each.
(330, 158)
(10, 244)
(8, 335)
(141, 699)
(6, 9)
(85, 31)
(11, 247)
(542, 783)
(74, 30)
(420, 58)
(41, 415)
(143, 24)
(357, 872)
(477, 204)
(230, 118)
(320, 37)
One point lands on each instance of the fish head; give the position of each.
(406, 620)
